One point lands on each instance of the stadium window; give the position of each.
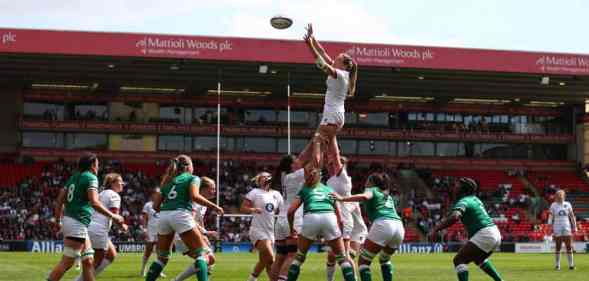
(86, 141)
(297, 117)
(380, 119)
(504, 119)
(450, 149)
(46, 111)
(493, 150)
(372, 147)
(468, 119)
(42, 140)
(208, 115)
(351, 118)
(171, 143)
(441, 117)
(412, 116)
(260, 116)
(253, 144)
(392, 148)
(450, 117)
(429, 116)
(422, 148)
(210, 144)
(90, 112)
(348, 147)
(296, 145)
(175, 114)
(457, 117)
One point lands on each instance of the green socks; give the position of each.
(365, 274)
(488, 268)
(293, 271)
(387, 271)
(154, 271)
(462, 271)
(348, 271)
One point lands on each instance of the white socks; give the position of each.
(330, 272)
(557, 260)
(570, 259)
(189, 272)
(252, 278)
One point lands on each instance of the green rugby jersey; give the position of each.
(176, 195)
(77, 205)
(317, 200)
(474, 215)
(380, 206)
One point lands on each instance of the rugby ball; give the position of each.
(280, 22)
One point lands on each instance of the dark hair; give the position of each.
(468, 186)
(86, 161)
(178, 165)
(352, 67)
(284, 167)
(380, 180)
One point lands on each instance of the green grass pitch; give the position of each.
(236, 267)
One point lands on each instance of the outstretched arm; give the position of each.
(323, 60)
(367, 195)
(447, 222)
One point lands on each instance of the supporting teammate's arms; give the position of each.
(447, 222)
(58, 210)
(93, 199)
(291, 213)
(196, 197)
(367, 195)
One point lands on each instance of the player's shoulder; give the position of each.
(568, 204)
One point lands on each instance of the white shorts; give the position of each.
(98, 237)
(333, 118)
(320, 225)
(487, 239)
(282, 230)
(259, 234)
(74, 228)
(359, 232)
(151, 233)
(347, 220)
(559, 230)
(178, 221)
(387, 233)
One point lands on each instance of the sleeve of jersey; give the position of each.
(92, 182)
(299, 175)
(195, 181)
(250, 195)
(115, 201)
(145, 210)
(460, 206)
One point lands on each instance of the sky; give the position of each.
(529, 25)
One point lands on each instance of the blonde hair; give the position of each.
(109, 179)
(178, 165)
(206, 182)
(352, 67)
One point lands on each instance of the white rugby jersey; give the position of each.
(109, 200)
(337, 91)
(152, 215)
(342, 185)
(292, 184)
(268, 201)
(560, 213)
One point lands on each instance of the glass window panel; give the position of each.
(175, 114)
(86, 141)
(43, 111)
(253, 144)
(348, 147)
(373, 147)
(441, 117)
(210, 144)
(422, 148)
(172, 143)
(296, 145)
(380, 119)
(450, 149)
(42, 139)
(90, 112)
(260, 116)
(429, 116)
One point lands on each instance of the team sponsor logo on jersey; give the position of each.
(269, 207)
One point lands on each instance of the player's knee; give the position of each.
(87, 256)
(299, 258)
(163, 257)
(458, 260)
(366, 256)
(384, 258)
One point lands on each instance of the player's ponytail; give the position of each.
(177, 166)
(352, 68)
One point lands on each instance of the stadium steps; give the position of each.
(409, 181)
